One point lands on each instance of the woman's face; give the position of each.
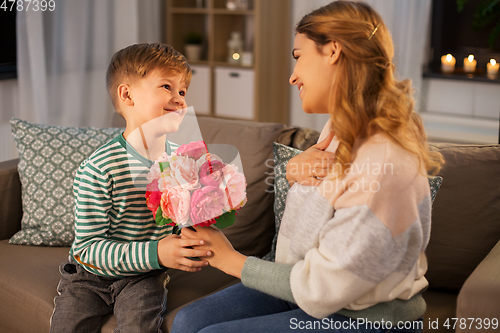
(313, 73)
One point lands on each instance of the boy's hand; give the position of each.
(310, 166)
(173, 250)
(224, 256)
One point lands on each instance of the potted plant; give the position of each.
(487, 16)
(192, 47)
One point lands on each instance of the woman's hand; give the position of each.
(173, 250)
(312, 165)
(224, 256)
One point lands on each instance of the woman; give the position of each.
(350, 253)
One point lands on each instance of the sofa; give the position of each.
(463, 253)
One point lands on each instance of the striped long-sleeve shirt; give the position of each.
(115, 233)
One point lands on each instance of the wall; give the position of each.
(297, 116)
(8, 107)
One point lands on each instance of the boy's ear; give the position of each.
(334, 49)
(124, 94)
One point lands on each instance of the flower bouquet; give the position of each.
(194, 188)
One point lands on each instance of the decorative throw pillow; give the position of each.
(435, 182)
(48, 159)
(282, 154)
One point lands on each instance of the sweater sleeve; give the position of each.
(92, 247)
(269, 277)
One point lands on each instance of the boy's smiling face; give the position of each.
(156, 95)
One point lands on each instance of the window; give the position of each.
(8, 45)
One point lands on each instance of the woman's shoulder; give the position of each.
(379, 166)
(381, 148)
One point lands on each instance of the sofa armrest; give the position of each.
(480, 294)
(11, 210)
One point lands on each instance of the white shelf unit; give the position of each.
(220, 89)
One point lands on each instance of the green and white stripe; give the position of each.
(115, 233)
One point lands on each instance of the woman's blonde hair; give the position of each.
(368, 98)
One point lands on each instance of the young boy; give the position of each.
(118, 260)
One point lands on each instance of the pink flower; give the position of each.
(207, 223)
(194, 149)
(207, 203)
(175, 204)
(184, 170)
(234, 187)
(211, 173)
(163, 157)
(153, 196)
(205, 158)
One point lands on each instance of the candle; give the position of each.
(492, 68)
(470, 64)
(448, 63)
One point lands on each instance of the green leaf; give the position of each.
(159, 219)
(494, 35)
(164, 221)
(490, 6)
(226, 219)
(461, 5)
(164, 165)
(159, 215)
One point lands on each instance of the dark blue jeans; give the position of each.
(84, 299)
(244, 310)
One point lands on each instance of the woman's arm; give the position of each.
(224, 256)
(269, 277)
(309, 167)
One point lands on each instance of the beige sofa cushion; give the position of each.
(28, 282)
(465, 214)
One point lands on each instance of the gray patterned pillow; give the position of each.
(435, 182)
(48, 159)
(282, 154)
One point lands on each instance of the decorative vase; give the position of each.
(193, 52)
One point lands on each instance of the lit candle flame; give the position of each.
(448, 57)
(471, 58)
(493, 62)
(236, 56)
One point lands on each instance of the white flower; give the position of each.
(184, 170)
(166, 181)
(154, 172)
